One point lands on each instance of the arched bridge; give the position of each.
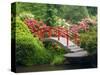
(75, 50)
(66, 38)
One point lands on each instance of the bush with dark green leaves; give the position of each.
(48, 12)
(56, 52)
(89, 40)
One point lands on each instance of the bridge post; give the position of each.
(58, 35)
(50, 32)
(67, 38)
(38, 34)
(76, 37)
(41, 34)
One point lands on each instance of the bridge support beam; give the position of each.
(42, 34)
(58, 35)
(76, 38)
(49, 33)
(67, 38)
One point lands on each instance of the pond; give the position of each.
(46, 67)
(86, 62)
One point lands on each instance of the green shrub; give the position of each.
(29, 50)
(58, 59)
(47, 12)
(56, 52)
(89, 40)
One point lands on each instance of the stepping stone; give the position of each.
(75, 49)
(77, 54)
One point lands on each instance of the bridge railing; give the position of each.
(57, 32)
(40, 29)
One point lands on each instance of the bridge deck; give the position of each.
(76, 51)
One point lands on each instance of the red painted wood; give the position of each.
(67, 41)
(58, 35)
(39, 28)
(75, 37)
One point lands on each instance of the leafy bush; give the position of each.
(56, 52)
(58, 59)
(48, 12)
(37, 9)
(89, 40)
(24, 15)
(29, 50)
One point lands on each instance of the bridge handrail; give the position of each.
(60, 31)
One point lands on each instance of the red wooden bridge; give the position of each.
(67, 38)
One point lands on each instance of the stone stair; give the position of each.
(75, 48)
(76, 51)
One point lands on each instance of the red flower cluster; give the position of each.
(82, 26)
(30, 23)
(33, 24)
(74, 29)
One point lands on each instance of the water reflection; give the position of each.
(36, 68)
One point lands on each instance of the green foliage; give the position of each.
(51, 15)
(48, 12)
(37, 9)
(73, 13)
(92, 11)
(56, 52)
(58, 59)
(89, 40)
(24, 15)
(29, 50)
